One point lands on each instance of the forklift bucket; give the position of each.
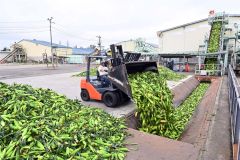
(122, 66)
(118, 75)
(134, 67)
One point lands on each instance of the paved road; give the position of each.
(218, 145)
(17, 71)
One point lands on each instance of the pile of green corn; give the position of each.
(169, 74)
(184, 112)
(154, 105)
(41, 124)
(154, 102)
(163, 71)
(213, 45)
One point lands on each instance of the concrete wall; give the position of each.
(187, 38)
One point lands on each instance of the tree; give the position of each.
(6, 49)
(92, 46)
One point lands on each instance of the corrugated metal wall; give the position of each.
(187, 38)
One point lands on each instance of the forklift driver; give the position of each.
(103, 74)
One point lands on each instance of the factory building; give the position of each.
(35, 49)
(190, 37)
(40, 51)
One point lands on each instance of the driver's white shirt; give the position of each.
(102, 70)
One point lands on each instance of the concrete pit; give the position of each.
(193, 141)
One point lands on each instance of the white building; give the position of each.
(188, 37)
(139, 45)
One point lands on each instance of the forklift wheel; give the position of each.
(110, 99)
(85, 95)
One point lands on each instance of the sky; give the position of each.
(78, 22)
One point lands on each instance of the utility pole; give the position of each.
(50, 22)
(99, 42)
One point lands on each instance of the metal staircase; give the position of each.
(18, 54)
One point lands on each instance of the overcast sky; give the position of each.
(80, 21)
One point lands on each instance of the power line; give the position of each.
(22, 27)
(19, 32)
(92, 40)
(75, 33)
(22, 21)
(72, 35)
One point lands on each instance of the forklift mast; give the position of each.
(118, 72)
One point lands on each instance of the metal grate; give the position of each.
(217, 70)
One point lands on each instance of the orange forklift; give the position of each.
(119, 90)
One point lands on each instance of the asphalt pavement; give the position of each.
(10, 71)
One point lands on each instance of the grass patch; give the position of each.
(93, 72)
